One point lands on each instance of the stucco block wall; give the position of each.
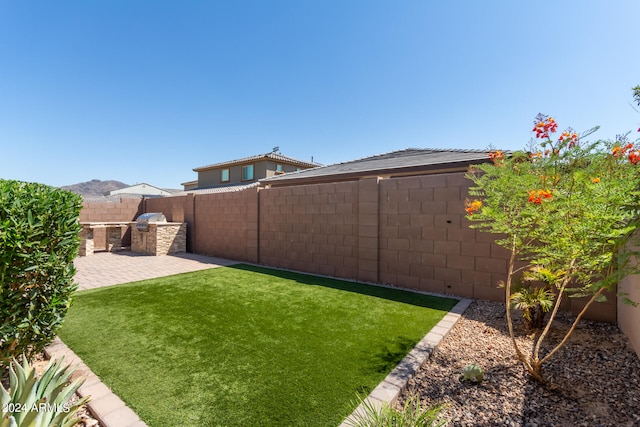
(407, 231)
(173, 208)
(426, 243)
(226, 225)
(176, 209)
(127, 209)
(311, 228)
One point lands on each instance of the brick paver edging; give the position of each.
(395, 383)
(104, 405)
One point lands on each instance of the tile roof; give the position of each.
(388, 163)
(116, 198)
(223, 189)
(273, 156)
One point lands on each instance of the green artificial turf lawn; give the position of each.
(245, 345)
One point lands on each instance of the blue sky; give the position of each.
(144, 91)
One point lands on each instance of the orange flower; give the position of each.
(496, 156)
(536, 196)
(543, 125)
(634, 157)
(595, 180)
(620, 150)
(472, 206)
(570, 136)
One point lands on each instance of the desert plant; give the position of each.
(534, 302)
(39, 237)
(43, 401)
(565, 204)
(472, 372)
(412, 414)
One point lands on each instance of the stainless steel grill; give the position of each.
(143, 221)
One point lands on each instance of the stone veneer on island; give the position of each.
(162, 238)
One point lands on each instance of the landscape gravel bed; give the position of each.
(595, 378)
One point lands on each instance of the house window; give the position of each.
(224, 175)
(279, 168)
(247, 173)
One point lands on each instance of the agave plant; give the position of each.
(40, 402)
(412, 414)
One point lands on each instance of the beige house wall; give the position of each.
(211, 178)
(628, 315)
(261, 169)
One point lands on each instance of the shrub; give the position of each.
(40, 402)
(565, 210)
(534, 301)
(412, 414)
(39, 237)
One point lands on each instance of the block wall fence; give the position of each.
(126, 209)
(409, 232)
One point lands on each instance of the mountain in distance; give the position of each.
(95, 187)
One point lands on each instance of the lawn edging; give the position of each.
(104, 405)
(396, 382)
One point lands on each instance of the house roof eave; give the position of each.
(461, 166)
(268, 156)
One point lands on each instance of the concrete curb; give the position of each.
(104, 405)
(396, 382)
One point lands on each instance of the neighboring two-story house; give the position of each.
(245, 171)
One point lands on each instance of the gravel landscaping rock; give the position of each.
(595, 378)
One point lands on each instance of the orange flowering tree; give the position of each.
(564, 206)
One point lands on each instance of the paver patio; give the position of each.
(112, 268)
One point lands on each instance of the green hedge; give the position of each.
(39, 239)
